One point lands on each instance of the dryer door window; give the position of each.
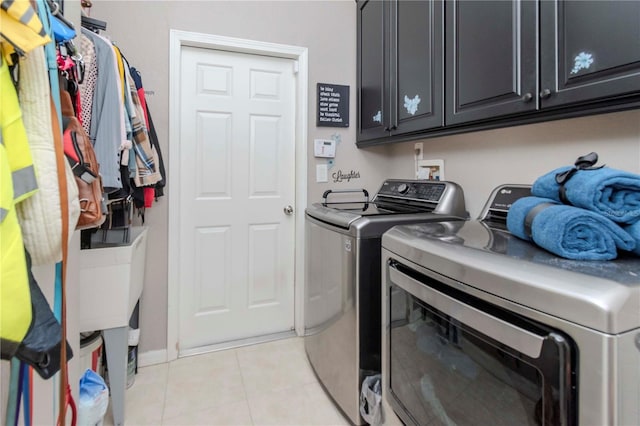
(445, 370)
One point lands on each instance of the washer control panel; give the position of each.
(422, 190)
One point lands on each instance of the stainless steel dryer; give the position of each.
(342, 286)
(481, 327)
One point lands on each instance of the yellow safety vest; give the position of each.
(15, 299)
(14, 138)
(20, 28)
(15, 163)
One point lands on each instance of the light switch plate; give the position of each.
(418, 150)
(322, 173)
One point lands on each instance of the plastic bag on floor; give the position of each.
(371, 400)
(94, 399)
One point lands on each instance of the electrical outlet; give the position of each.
(418, 151)
(430, 169)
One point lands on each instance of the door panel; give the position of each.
(213, 156)
(212, 296)
(264, 159)
(578, 61)
(489, 57)
(237, 145)
(417, 65)
(263, 265)
(491, 54)
(373, 69)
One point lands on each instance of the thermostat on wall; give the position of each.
(325, 148)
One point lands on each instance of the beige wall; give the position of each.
(478, 161)
(481, 161)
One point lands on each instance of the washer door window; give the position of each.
(455, 363)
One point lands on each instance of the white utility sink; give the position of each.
(111, 280)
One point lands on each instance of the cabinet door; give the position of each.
(373, 120)
(590, 50)
(491, 59)
(416, 65)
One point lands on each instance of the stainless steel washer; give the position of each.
(342, 283)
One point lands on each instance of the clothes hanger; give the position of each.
(91, 24)
(55, 11)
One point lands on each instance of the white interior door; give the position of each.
(237, 178)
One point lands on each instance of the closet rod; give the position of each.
(93, 24)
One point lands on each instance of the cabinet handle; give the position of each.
(387, 129)
(527, 97)
(545, 93)
(394, 127)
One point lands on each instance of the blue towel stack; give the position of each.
(601, 214)
(614, 194)
(567, 231)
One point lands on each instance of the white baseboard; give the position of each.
(237, 343)
(148, 358)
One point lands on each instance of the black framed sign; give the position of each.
(333, 105)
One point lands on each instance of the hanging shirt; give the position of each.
(146, 157)
(88, 85)
(106, 126)
(153, 137)
(125, 125)
(128, 107)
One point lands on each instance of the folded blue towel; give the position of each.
(567, 231)
(612, 193)
(634, 231)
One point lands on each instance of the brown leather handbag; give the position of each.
(82, 159)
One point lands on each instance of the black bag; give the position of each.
(40, 348)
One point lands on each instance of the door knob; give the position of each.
(288, 210)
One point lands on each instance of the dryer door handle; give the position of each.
(517, 338)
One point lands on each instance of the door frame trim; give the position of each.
(179, 39)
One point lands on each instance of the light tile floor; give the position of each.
(265, 384)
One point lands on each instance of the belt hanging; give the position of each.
(27, 390)
(65, 398)
(56, 116)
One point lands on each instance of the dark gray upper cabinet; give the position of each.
(590, 50)
(373, 75)
(588, 55)
(491, 59)
(478, 64)
(399, 67)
